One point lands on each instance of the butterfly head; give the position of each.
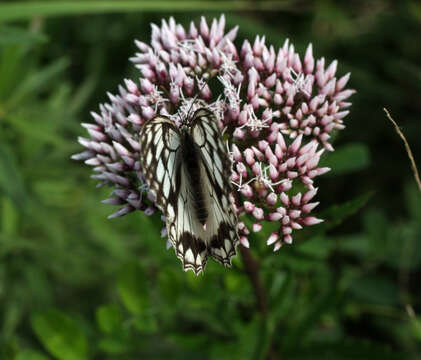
(187, 116)
(192, 105)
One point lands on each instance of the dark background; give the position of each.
(74, 285)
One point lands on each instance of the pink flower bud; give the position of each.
(284, 198)
(272, 238)
(274, 216)
(311, 220)
(277, 246)
(258, 213)
(287, 239)
(308, 207)
(247, 191)
(256, 227)
(244, 241)
(248, 206)
(266, 94)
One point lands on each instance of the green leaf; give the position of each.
(318, 247)
(113, 345)
(11, 182)
(133, 290)
(60, 335)
(36, 81)
(13, 316)
(9, 224)
(376, 226)
(397, 246)
(336, 214)
(375, 289)
(11, 72)
(402, 248)
(234, 282)
(251, 342)
(347, 159)
(357, 244)
(311, 315)
(108, 318)
(16, 35)
(30, 355)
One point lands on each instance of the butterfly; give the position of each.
(187, 170)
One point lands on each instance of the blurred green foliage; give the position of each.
(74, 285)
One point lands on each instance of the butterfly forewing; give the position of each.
(160, 159)
(187, 171)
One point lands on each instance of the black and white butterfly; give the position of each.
(187, 169)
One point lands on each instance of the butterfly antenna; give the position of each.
(195, 98)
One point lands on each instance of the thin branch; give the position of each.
(408, 150)
(404, 276)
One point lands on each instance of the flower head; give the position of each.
(276, 111)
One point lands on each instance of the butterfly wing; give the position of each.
(221, 226)
(165, 175)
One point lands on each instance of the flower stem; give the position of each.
(264, 348)
(251, 267)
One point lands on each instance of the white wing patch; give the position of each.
(168, 176)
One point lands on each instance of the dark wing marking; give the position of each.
(165, 175)
(221, 226)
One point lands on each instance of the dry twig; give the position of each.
(408, 150)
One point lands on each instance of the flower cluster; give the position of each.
(276, 111)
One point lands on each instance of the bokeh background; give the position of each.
(75, 285)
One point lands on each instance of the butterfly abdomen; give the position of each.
(191, 159)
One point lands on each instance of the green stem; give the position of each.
(27, 10)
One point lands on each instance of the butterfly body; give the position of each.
(187, 170)
(191, 158)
